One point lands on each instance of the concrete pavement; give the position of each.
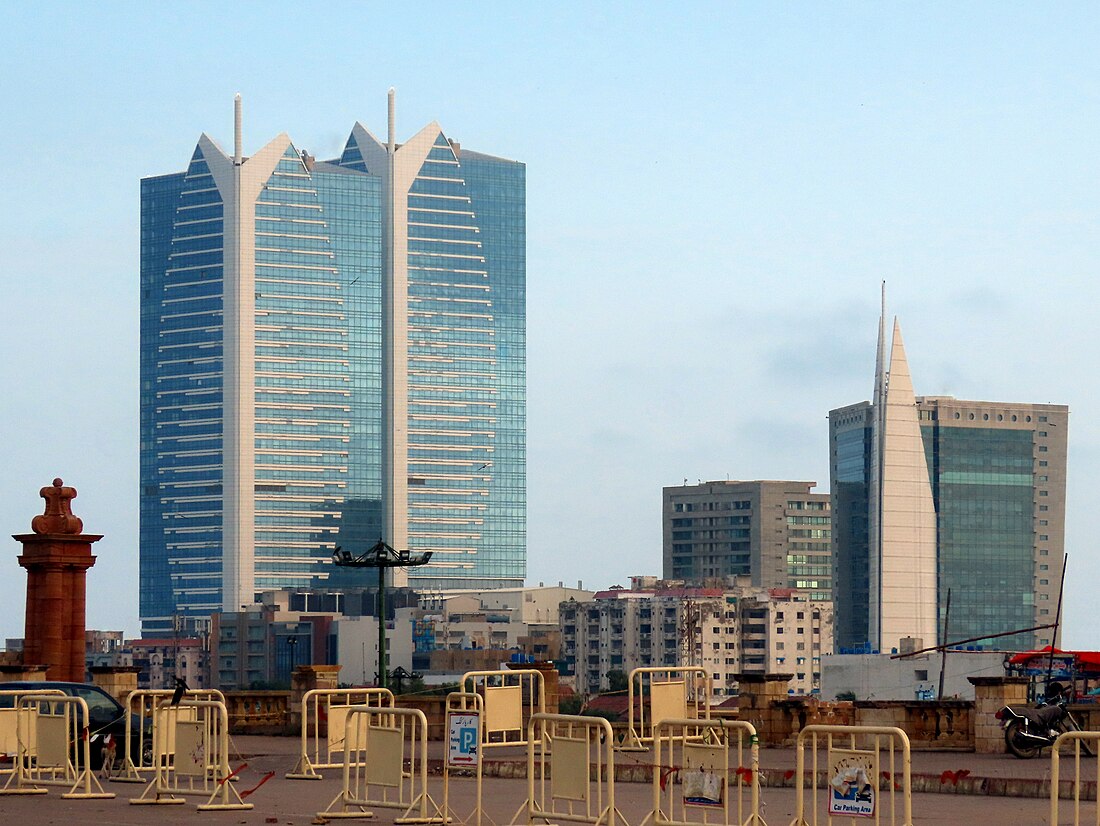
(978, 797)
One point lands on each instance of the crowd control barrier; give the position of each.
(655, 694)
(465, 716)
(53, 748)
(385, 766)
(195, 760)
(141, 750)
(581, 762)
(698, 768)
(9, 724)
(854, 773)
(510, 698)
(324, 711)
(1074, 739)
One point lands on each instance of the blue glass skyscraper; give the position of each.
(331, 352)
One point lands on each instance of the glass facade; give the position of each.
(181, 396)
(983, 488)
(850, 485)
(318, 231)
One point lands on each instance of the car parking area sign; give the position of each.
(464, 739)
(852, 780)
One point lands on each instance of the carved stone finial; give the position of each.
(58, 517)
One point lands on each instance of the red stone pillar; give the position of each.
(56, 556)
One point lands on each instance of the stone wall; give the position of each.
(778, 718)
(260, 712)
(991, 695)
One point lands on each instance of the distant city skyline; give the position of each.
(714, 192)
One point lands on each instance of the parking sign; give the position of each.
(463, 739)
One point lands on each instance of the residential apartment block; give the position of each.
(728, 631)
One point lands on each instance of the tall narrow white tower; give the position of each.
(903, 516)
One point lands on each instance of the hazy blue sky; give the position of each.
(714, 194)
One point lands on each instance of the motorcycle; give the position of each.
(1029, 730)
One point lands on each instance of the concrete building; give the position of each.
(878, 677)
(357, 646)
(331, 352)
(163, 660)
(931, 494)
(523, 620)
(777, 533)
(728, 631)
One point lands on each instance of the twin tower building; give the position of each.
(332, 352)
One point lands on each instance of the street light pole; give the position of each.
(292, 644)
(380, 556)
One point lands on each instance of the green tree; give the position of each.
(617, 680)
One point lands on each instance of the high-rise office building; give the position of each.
(332, 352)
(933, 495)
(776, 533)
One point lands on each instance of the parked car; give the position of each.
(106, 716)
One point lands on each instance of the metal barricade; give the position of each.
(53, 748)
(327, 709)
(385, 766)
(9, 724)
(196, 758)
(1074, 739)
(581, 761)
(465, 715)
(674, 693)
(854, 774)
(143, 748)
(510, 698)
(698, 766)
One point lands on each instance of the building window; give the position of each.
(1044, 493)
(1044, 567)
(1042, 448)
(1044, 508)
(920, 674)
(1043, 537)
(1043, 463)
(1044, 552)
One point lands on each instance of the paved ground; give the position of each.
(296, 803)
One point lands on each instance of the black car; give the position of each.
(105, 716)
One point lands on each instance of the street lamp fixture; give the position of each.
(380, 556)
(292, 644)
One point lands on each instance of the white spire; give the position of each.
(391, 143)
(238, 157)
